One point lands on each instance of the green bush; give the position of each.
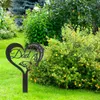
(48, 21)
(35, 26)
(44, 23)
(7, 26)
(2, 22)
(74, 63)
(5, 34)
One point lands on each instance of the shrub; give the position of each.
(37, 26)
(49, 20)
(5, 34)
(2, 23)
(83, 14)
(44, 23)
(58, 15)
(7, 26)
(73, 63)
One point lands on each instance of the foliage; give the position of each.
(37, 26)
(5, 3)
(7, 26)
(50, 19)
(74, 63)
(2, 23)
(94, 6)
(79, 13)
(57, 15)
(11, 82)
(42, 24)
(5, 34)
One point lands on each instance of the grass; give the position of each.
(11, 83)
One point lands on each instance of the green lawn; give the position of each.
(11, 83)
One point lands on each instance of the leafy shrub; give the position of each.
(49, 20)
(37, 26)
(73, 63)
(81, 14)
(58, 15)
(5, 3)
(7, 26)
(2, 23)
(5, 34)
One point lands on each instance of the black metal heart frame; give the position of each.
(18, 52)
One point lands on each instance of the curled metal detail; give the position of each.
(16, 51)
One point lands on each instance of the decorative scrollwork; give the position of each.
(32, 53)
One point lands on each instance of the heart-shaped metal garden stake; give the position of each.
(25, 58)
